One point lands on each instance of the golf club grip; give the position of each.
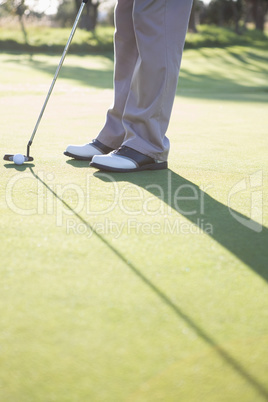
(58, 69)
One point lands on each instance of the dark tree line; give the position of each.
(68, 8)
(234, 13)
(90, 17)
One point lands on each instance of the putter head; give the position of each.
(9, 157)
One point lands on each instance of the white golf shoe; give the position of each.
(125, 160)
(87, 151)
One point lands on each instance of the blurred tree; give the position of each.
(198, 10)
(106, 11)
(68, 8)
(237, 7)
(259, 11)
(18, 8)
(192, 21)
(231, 12)
(89, 19)
(225, 13)
(66, 12)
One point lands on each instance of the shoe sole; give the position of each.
(77, 157)
(152, 166)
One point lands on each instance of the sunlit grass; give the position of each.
(135, 313)
(214, 36)
(43, 39)
(54, 39)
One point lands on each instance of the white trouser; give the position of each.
(149, 41)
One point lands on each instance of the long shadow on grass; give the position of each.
(226, 76)
(163, 179)
(243, 237)
(87, 76)
(211, 84)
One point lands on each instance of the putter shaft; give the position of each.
(56, 74)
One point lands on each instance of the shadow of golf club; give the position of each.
(232, 362)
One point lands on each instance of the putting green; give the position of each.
(143, 287)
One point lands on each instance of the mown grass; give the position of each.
(100, 299)
(214, 36)
(44, 39)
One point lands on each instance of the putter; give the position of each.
(27, 157)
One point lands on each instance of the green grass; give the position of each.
(214, 36)
(45, 39)
(52, 40)
(102, 296)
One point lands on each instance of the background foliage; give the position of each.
(225, 13)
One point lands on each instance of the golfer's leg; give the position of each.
(160, 29)
(126, 54)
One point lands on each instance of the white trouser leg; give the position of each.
(160, 28)
(126, 55)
